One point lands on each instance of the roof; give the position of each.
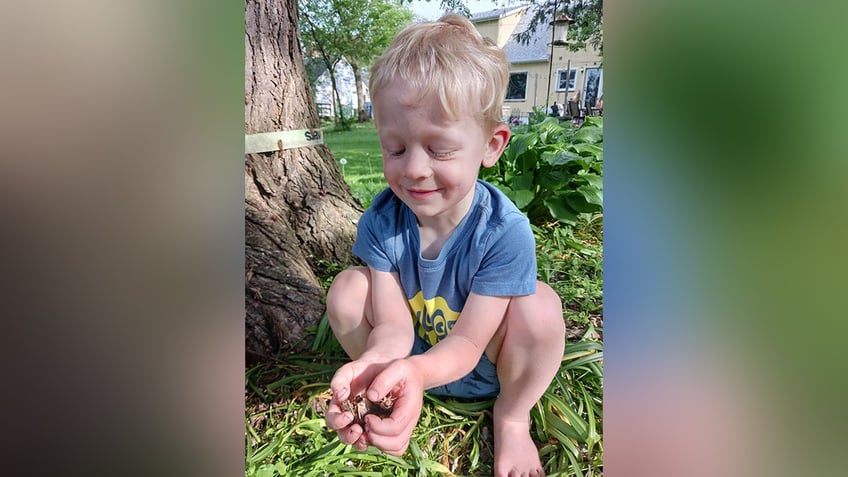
(494, 14)
(537, 48)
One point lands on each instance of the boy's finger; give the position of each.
(340, 384)
(387, 380)
(388, 426)
(361, 444)
(350, 434)
(338, 419)
(389, 444)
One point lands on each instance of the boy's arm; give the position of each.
(450, 359)
(390, 339)
(392, 334)
(456, 354)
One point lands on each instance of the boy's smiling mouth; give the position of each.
(421, 193)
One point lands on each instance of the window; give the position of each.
(517, 88)
(566, 79)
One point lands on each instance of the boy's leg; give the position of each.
(527, 350)
(349, 309)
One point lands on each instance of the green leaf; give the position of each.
(522, 182)
(553, 180)
(520, 143)
(578, 202)
(504, 188)
(590, 134)
(549, 130)
(263, 453)
(266, 470)
(593, 180)
(521, 197)
(434, 466)
(526, 162)
(593, 195)
(560, 210)
(558, 158)
(574, 425)
(588, 150)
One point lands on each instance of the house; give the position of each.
(534, 79)
(346, 84)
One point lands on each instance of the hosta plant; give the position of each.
(552, 170)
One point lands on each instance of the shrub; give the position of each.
(552, 170)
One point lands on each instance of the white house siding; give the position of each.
(346, 84)
(534, 60)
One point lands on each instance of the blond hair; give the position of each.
(447, 58)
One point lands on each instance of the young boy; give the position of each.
(449, 301)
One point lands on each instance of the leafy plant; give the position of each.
(285, 433)
(552, 171)
(571, 261)
(537, 115)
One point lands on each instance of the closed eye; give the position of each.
(441, 154)
(396, 152)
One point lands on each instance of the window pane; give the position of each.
(517, 86)
(566, 79)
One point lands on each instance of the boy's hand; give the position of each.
(391, 434)
(351, 379)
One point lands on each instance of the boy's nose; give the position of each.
(417, 165)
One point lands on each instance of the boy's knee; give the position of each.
(540, 315)
(349, 291)
(549, 301)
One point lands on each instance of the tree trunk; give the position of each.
(360, 92)
(298, 209)
(339, 109)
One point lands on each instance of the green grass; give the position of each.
(285, 432)
(286, 435)
(571, 261)
(363, 161)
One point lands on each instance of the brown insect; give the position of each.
(360, 406)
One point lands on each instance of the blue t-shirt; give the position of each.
(491, 252)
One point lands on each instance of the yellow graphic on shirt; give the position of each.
(433, 318)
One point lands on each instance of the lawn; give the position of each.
(358, 154)
(285, 431)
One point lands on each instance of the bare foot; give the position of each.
(515, 453)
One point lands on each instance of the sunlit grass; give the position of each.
(358, 154)
(286, 435)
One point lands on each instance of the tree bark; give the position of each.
(298, 209)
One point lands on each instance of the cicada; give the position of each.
(360, 406)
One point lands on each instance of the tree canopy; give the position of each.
(357, 30)
(586, 26)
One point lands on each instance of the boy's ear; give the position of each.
(496, 145)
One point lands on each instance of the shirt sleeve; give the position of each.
(508, 267)
(372, 242)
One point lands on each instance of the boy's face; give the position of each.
(431, 162)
